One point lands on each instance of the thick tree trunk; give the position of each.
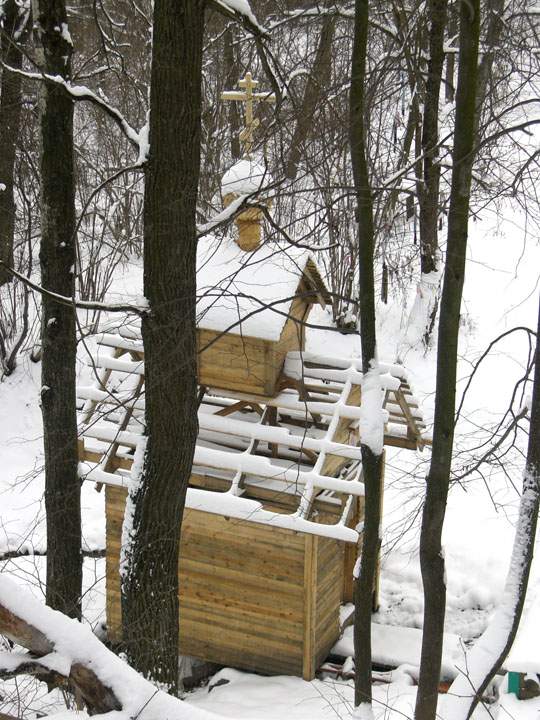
(57, 259)
(431, 554)
(150, 588)
(10, 114)
(488, 654)
(371, 458)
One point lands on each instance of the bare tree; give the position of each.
(13, 19)
(487, 655)
(429, 191)
(150, 587)
(57, 259)
(371, 447)
(431, 553)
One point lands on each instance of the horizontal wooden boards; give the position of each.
(244, 599)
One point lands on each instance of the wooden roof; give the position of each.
(251, 293)
(301, 444)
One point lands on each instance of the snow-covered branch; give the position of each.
(79, 304)
(139, 139)
(70, 650)
(240, 10)
(489, 652)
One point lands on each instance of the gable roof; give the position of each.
(250, 293)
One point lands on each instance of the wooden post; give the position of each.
(310, 607)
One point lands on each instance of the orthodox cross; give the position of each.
(248, 97)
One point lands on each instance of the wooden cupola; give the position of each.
(254, 297)
(251, 310)
(275, 499)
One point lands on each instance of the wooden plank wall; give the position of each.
(115, 499)
(252, 596)
(233, 362)
(248, 364)
(352, 551)
(329, 589)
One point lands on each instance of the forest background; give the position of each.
(304, 54)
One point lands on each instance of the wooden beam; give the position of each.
(310, 607)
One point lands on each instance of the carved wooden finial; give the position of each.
(248, 97)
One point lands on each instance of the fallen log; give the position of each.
(60, 647)
(45, 663)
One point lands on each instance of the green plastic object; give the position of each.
(513, 683)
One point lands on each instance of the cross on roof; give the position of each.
(248, 97)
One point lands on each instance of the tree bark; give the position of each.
(495, 26)
(150, 587)
(57, 259)
(232, 76)
(371, 461)
(431, 554)
(429, 197)
(10, 116)
(449, 90)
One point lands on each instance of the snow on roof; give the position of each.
(245, 177)
(302, 443)
(248, 293)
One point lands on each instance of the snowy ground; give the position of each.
(254, 697)
(501, 291)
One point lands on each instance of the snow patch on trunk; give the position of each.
(419, 320)
(372, 416)
(129, 512)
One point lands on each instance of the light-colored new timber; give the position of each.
(229, 361)
(251, 596)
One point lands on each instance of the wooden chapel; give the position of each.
(271, 525)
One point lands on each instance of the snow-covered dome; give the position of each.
(245, 177)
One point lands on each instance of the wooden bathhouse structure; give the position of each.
(274, 505)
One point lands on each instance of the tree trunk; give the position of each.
(495, 26)
(431, 554)
(371, 457)
(424, 310)
(429, 197)
(488, 654)
(450, 91)
(232, 76)
(316, 82)
(57, 259)
(150, 587)
(13, 24)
